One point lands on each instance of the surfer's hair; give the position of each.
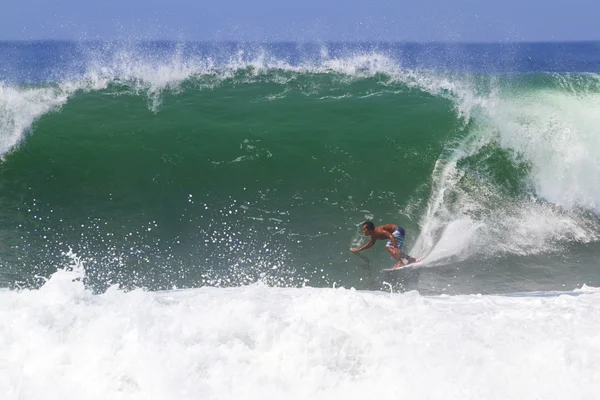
(369, 225)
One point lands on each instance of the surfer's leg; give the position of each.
(395, 253)
(399, 256)
(409, 258)
(400, 234)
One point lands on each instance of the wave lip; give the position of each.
(19, 108)
(131, 70)
(152, 67)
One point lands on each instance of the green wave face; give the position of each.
(232, 177)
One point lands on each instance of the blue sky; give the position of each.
(308, 20)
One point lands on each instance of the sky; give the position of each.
(307, 20)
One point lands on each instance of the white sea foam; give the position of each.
(257, 342)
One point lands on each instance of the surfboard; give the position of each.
(409, 265)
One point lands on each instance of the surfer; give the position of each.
(395, 240)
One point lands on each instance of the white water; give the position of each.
(559, 133)
(259, 342)
(556, 132)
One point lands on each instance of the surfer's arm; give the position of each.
(366, 246)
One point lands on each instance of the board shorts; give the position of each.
(399, 234)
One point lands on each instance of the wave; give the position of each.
(506, 165)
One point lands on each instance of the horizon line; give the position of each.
(271, 42)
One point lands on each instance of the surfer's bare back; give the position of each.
(395, 236)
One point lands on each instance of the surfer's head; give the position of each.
(367, 228)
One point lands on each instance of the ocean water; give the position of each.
(176, 218)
